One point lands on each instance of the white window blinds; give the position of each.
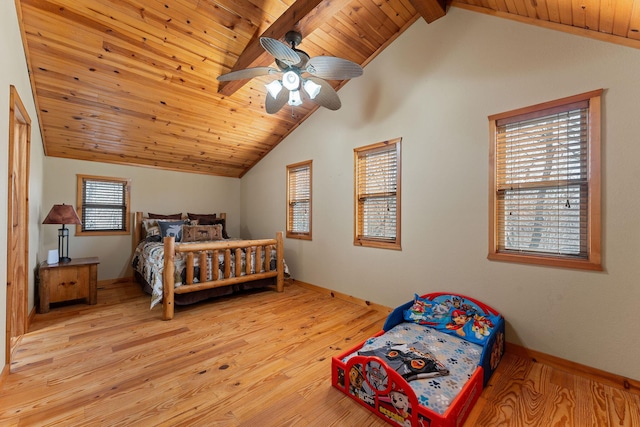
(104, 205)
(299, 199)
(542, 181)
(377, 188)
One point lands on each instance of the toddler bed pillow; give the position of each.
(454, 315)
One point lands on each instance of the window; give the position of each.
(545, 184)
(299, 200)
(103, 205)
(377, 195)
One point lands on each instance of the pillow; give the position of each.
(221, 221)
(150, 228)
(454, 315)
(171, 228)
(420, 311)
(201, 233)
(198, 217)
(153, 239)
(158, 216)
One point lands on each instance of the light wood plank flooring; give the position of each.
(255, 359)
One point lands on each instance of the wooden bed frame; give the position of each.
(202, 250)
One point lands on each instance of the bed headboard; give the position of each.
(138, 217)
(438, 310)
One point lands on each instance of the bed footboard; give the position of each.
(372, 383)
(259, 250)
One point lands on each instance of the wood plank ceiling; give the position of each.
(134, 81)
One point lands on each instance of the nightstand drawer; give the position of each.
(66, 284)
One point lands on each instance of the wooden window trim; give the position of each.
(358, 239)
(126, 182)
(594, 257)
(293, 234)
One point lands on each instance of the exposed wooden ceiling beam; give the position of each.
(430, 9)
(303, 16)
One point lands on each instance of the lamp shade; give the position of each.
(62, 214)
(312, 88)
(274, 88)
(294, 98)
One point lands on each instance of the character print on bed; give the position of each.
(359, 387)
(408, 360)
(440, 311)
(424, 310)
(459, 319)
(454, 315)
(397, 407)
(481, 326)
(458, 304)
(400, 401)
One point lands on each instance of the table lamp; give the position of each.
(62, 214)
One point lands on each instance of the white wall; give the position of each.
(435, 87)
(14, 72)
(152, 190)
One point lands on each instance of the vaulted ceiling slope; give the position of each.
(134, 81)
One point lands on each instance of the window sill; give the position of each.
(377, 244)
(298, 236)
(580, 264)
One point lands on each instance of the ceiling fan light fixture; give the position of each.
(291, 80)
(294, 98)
(274, 88)
(312, 88)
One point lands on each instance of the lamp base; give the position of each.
(64, 259)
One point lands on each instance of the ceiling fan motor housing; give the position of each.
(293, 38)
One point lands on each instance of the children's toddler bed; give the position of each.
(185, 261)
(428, 365)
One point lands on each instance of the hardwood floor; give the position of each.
(256, 359)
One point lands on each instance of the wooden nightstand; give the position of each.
(74, 280)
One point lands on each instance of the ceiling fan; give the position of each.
(302, 76)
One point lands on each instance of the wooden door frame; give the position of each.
(18, 116)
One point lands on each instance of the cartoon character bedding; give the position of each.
(428, 365)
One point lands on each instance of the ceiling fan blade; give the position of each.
(247, 73)
(304, 59)
(280, 51)
(327, 97)
(332, 68)
(273, 105)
